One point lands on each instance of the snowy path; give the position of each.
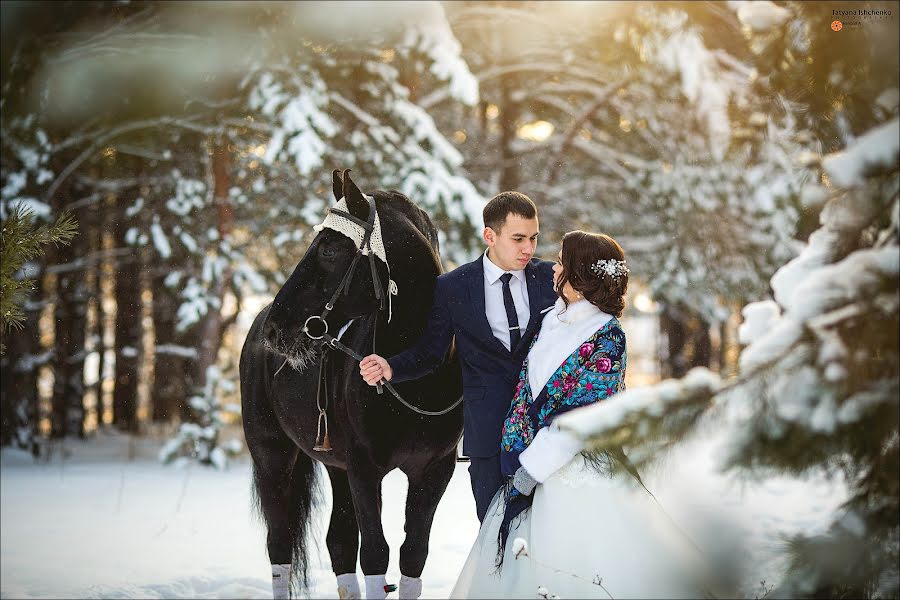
(101, 527)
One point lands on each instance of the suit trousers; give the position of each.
(486, 480)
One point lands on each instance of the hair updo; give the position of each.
(580, 250)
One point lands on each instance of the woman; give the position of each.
(586, 534)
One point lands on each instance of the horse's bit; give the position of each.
(316, 327)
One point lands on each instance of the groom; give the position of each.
(493, 306)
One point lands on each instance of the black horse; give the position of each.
(285, 381)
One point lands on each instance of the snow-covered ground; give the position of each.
(100, 526)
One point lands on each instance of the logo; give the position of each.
(837, 25)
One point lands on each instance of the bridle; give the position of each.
(316, 327)
(365, 247)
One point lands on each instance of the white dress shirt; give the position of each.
(493, 300)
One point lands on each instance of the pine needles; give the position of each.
(20, 242)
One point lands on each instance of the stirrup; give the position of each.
(323, 444)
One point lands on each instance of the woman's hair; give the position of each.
(580, 251)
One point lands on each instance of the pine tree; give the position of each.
(819, 374)
(199, 438)
(21, 241)
(652, 132)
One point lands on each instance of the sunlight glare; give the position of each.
(536, 131)
(644, 303)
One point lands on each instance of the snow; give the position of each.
(189, 195)
(889, 99)
(160, 241)
(758, 319)
(773, 345)
(818, 252)
(858, 276)
(28, 362)
(188, 241)
(100, 526)
(761, 15)
(193, 306)
(135, 208)
(813, 196)
(38, 209)
(701, 82)
(878, 148)
(797, 394)
(630, 404)
(15, 183)
(436, 40)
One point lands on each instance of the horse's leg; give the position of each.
(425, 491)
(365, 485)
(283, 479)
(272, 467)
(343, 535)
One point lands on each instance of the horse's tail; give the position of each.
(304, 495)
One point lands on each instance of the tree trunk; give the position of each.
(213, 324)
(509, 116)
(723, 347)
(128, 329)
(171, 361)
(70, 317)
(701, 344)
(100, 241)
(106, 277)
(19, 407)
(671, 323)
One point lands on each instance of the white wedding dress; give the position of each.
(607, 530)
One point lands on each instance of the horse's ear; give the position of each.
(356, 202)
(337, 184)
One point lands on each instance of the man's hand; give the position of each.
(373, 368)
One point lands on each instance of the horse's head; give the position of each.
(333, 264)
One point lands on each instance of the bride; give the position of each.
(563, 525)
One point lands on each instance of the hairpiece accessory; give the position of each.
(610, 266)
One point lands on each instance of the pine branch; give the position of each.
(20, 242)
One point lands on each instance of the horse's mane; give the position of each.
(418, 217)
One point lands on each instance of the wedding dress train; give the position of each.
(608, 532)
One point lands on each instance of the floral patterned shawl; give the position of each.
(593, 372)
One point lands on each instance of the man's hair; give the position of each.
(504, 204)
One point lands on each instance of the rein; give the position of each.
(316, 328)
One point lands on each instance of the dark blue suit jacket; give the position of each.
(489, 370)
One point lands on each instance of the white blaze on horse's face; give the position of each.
(513, 245)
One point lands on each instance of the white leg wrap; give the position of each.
(281, 581)
(410, 587)
(348, 587)
(375, 587)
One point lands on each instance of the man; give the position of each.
(493, 306)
